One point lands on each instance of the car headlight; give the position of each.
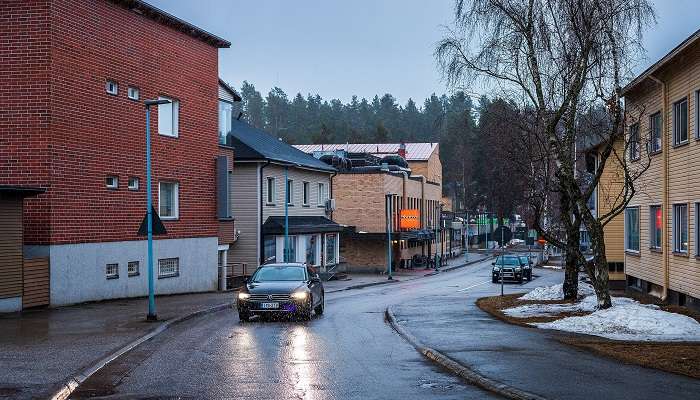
(518, 269)
(243, 296)
(299, 295)
(496, 269)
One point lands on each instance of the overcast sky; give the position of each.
(364, 47)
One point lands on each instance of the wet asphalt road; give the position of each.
(348, 353)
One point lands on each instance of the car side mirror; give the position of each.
(493, 263)
(315, 279)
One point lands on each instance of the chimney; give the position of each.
(402, 150)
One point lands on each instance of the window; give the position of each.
(632, 229)
(112, 271)
(697, 229)
(634, 142)
(132, 93)
(655, 132)
(225, 120)
(680, 122)
(132, 268)
(270, 249)
(655, 224)
(168, 267)
(311, 250)
(331, 248)
(680, 228)
(112, 87)
(271, 191)
(168, 200)
(133, 183)
(321, 195)
(291, 249)
(305, 193)
(112, 182)
(168, 117)
(289, 193)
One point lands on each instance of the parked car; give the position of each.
(286, 288)
(509, 266)
(527, 267)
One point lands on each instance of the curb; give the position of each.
(463, 371)
(68, 387)
(409, 278)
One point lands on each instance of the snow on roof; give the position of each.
(414, 151)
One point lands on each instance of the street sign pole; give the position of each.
(286, 214)
(149, 204)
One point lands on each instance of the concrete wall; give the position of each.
(78, 270)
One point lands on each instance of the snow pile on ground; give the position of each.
(587, 304)
(552, 266)
(556, 292)
(631, 321)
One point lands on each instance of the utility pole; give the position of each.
(151, 316)
(388, 198)
(286, 214)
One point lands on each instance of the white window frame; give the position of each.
(305, 189)
(676, 127)
(112, 87)
(169, 117)
(114, 184)
(678, 228)
(133, 183)
(176, 200)
(652, 227)
(627, 241)
(112, 271)
(321, 195)
(163, 262)
(271, 190)
(132, 268)
(289, 192)
(133, 93)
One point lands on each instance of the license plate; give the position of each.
(267, 306)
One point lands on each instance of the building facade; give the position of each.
(72, 121)
(662, 222)
(267, 174)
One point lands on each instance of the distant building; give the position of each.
(262, 165)
(367, 173)
(662, 222)
(72, 122)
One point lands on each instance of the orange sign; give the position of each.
(410, 219)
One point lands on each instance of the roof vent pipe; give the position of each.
(402, 150)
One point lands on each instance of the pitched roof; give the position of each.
(158, 15)
(253, 144)
(661, 62)
(228, 89)
(414, 151)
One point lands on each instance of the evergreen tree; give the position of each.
(253, 105)
(381, 135)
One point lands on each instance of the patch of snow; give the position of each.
(631, 321)
(587, 304)
(556, 292)
(552, 266)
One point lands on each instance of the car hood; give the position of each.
(274, 287)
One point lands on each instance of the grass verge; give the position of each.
(680, 358)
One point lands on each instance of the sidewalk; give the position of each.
(529, 359)
(356, 281)
(40, 350)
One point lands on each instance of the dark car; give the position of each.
(507, 266)
(289, 288)
(527, 267)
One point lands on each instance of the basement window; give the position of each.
(168, 267)
(112, 182)
(133, 183)
(132, 93)
(111, 87)
(112, 271)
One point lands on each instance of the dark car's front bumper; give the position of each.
(507, 275)
(255, 306)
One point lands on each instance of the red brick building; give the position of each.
(74, 77)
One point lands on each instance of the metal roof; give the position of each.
(414, 151)
(253, 144)
(158, 15)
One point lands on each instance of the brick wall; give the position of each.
(88, 134)
(359, 200)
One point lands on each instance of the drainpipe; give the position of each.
(261, 240)
(665, 177)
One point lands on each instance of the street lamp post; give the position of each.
(287, 199)
(151, 316)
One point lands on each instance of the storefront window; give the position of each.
(311, 250)
(331, 246)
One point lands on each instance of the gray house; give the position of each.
(266, 173)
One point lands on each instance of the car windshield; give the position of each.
(284, 273)
(524, 259)
(507, 261)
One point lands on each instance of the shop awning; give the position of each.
(299, 225)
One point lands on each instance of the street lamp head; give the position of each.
(156, 102)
